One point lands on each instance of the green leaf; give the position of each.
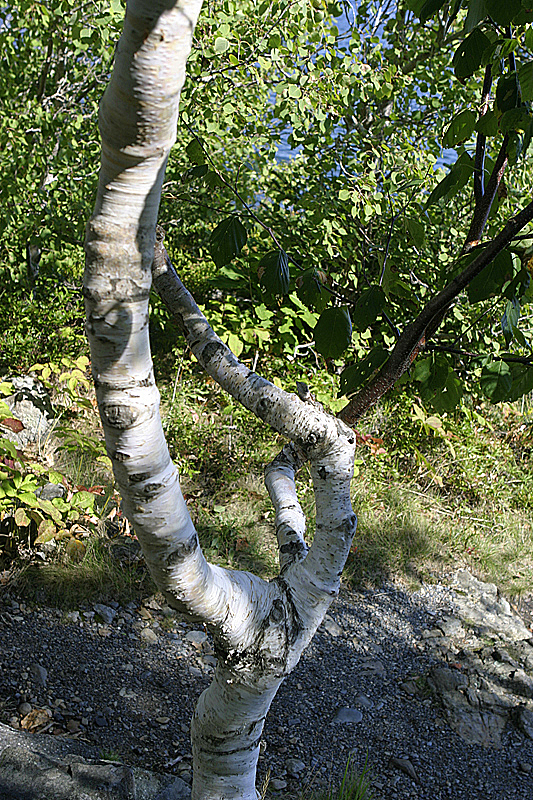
(487, 124)
(417, 231)
(491, 279)
(429, 8)
(460, 129)
(273, 272)
(422, 369)
(525, 78)
(369, 304)
(213, 180)
(195, 152)
(333, 331)
(454, 181)
(516, 119)
(510, 319)
(508, 92)
(503, 11)
(355, 375)
(522, 381)
(496, 381)
(468, 56)
(221, 45)
(449, 397)
(476, 13)
(227, 241)
(199, 171)
(310, 289)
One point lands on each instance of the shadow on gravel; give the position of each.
(366, 686)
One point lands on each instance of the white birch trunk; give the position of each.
(260, 629)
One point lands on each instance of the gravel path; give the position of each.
(125, 680)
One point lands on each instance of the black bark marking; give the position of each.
(257, 381)
(112, 387)
(151, 490)
(348, 525)
(118, 456)
(262, 408)
(322, 473)
(213, 350)
(120, 417)
(293, 623)
(182, 550)
(215, 741)
(276, 614)
(293, 548)
(138, 477)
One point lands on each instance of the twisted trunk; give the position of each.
(260, 628)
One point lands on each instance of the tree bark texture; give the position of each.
(260, 628)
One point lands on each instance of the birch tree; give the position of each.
(260, 628)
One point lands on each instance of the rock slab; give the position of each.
(41, 767)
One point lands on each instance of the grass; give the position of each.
(429, 499)
(354, 785)
(99, 575)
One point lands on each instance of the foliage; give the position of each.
(357, 96)
(57, 54)
(28, 518)
(360, 226)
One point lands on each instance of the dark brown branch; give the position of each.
(413, 338)
(482, 209)
(479, 164)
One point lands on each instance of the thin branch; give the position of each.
(479, 164)
(482, 209)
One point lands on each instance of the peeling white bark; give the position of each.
(260, 629)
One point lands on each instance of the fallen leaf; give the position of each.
(35, 719)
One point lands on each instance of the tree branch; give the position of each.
(479, 164)
(412, 340)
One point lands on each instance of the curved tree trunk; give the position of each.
(260, 628)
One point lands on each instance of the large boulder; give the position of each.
(29, 403)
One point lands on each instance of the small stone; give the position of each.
(196, 637)
(523, 766)
(24, 709)
(73, 725)
(106, 613)
(347, 716)
(73, 616)
(162, 720)
(294, 767)
(363, 701)
(409, 687)
(371, 666)
(332, 627)
(148, 636)
(40, 673)
(50, 491)
(101, 721)
(277, 783)
(405, 766)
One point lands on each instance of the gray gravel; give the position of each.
(126, 684)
